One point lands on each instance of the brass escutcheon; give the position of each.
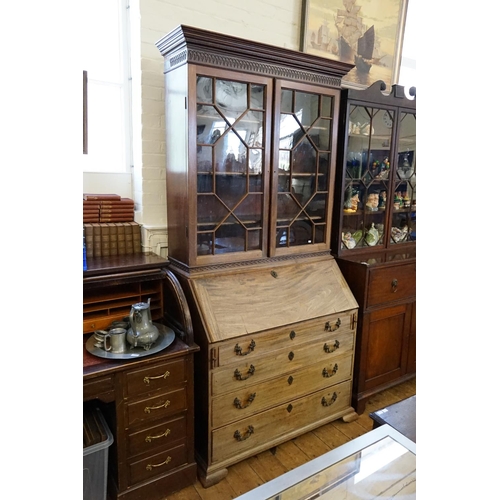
(327, 348)
(326, 374)
(330, 328)
(325, 402)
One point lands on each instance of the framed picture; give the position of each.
(366, 33)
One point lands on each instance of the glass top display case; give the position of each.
(379, 464)
(377, 184)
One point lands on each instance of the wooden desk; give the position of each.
(401, 416)
(148, 402)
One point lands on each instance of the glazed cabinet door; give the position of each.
(231, 115)
(305, 131)
(384, 350)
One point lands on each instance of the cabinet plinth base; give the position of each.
(208, 479)
(350, 417)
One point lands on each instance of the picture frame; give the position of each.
(366, 33)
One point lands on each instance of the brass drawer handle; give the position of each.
(159, 407)
(334, 371)
(327, 348)
(237, 435)
(330, 328)
(325, 402)
(238, 404)
(394, 285)
(150, 466)
(238, 350)
(163, 434)
(165, 375)
(239, 376)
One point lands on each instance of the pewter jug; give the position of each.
(142, 331)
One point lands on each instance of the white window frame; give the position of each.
(126, 90)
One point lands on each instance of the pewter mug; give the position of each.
(116, 337)
(142, 331)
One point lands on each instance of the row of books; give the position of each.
(107, 208)
(112, 238)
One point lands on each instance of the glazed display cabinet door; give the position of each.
(232, 163)
(306, 129)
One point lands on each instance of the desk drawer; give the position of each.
(269, 426)
(254, 346)
(248, 401)
(159, 436)
(391, 283)
(154, 377)
(156, 407)
(249, 372)
(159, 463)
(98, 388)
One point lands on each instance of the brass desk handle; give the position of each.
(325, 402)
(150, 466)
(238, 350)
(159, 407)
(334, 371)
(330, 328)
(238, 404)
(239, 376)
(165, 375)
(237, 435)
(163, 434)
(327, 348)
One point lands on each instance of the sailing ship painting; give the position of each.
(355, 32)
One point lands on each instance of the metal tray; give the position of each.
(166, 337)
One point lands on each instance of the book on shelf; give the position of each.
(88, 220)
(136, 237)
(116, 218)
(89, 239)
(97, 240)
(98, 196)
(113, 239)
(105, 240)
(129, 242)
(116, 210)
(120, 237)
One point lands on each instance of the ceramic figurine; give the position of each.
(351, 200)
(384, 169)
(382, 200)
(372, 236)
(372, 201)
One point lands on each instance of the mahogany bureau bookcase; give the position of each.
(251, 138)
(147, 401)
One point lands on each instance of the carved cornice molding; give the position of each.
(249, 66)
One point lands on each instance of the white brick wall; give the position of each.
(276, 22)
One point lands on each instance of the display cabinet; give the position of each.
(374, 235)
(251, 143)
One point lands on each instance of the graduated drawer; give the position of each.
(245, 402)
(155, 377)
(156, 464)
(267, 427)
(391, 283)
(155, 407)
(248, 372)
(159, 436)
(253, 346)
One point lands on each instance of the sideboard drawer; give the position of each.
(154, 377)
(391, 283)
(153, 408)
(159, 436)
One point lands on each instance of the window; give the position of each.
(106, 58)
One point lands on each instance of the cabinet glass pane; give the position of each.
(230, 121)
(304, 165)
(367, 177)
(404, 215)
